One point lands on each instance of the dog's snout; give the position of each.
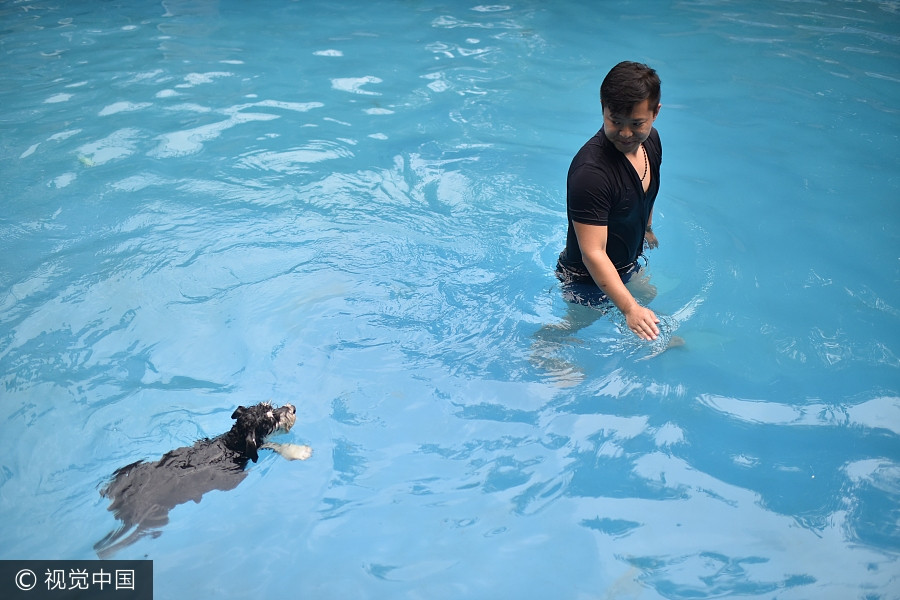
(287, 417)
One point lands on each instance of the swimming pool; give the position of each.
(357, 208)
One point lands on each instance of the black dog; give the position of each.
(142, 493)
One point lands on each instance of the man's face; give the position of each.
(628, 131)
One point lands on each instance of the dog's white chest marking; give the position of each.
(290, 451)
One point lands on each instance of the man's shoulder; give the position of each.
(654, 144)
(595, 144)
(592, 154)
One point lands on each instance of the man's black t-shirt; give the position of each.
(604, 189)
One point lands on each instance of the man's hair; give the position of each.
(627, 84)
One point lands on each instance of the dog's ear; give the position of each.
(250, 447)
(238, 412)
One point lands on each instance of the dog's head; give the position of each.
(255, 423)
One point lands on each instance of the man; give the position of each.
(612, 185)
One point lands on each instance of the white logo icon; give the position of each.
(26, 580)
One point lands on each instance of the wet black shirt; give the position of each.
(604, 189)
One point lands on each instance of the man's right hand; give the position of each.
(642, 322)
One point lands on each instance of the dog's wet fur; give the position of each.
(142, 494)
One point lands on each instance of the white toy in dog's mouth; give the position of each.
(290, 451)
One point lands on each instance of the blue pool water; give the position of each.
(357, 207)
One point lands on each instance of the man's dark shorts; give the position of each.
(578, 286)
